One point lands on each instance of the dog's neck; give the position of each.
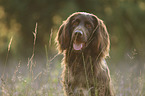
(82, 61)
(81, 57)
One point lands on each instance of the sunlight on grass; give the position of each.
(46, 81)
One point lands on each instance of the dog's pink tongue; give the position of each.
(77, 46)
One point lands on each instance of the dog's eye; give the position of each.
(88, 26)
(75, 23)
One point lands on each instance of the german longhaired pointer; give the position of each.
(84, 41)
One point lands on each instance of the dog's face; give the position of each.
(82, 30)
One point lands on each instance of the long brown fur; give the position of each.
(85, 73)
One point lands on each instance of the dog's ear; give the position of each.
(101, 38)
(64, 34)
(104, 37)
(63, 37)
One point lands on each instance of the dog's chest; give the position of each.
(79, 82)
(79, 75)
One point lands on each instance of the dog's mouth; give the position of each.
(78, 46)
(78, 40)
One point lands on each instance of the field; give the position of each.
(43, 77)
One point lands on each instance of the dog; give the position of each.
(84, 41)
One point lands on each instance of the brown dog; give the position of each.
(84, 41)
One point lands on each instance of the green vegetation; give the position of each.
(29, 67)
(124, 20)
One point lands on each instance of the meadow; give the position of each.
(43, 78)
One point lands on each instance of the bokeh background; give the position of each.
(125, 21)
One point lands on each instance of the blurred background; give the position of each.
(125, 21)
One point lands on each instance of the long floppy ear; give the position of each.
(63, 37)
(64, 34)
(101, 38)
(104, 39)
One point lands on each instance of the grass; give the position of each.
(129, 85)
(33, 79)
(27, 80)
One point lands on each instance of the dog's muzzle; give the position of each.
(78, 41)
(78, 34)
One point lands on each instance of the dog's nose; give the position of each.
(78, 33)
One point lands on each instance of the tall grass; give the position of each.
(129, 84)
(30, 83)
(34, 80)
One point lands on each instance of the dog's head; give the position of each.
(83, 30)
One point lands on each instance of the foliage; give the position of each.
(124, 20)
(125, 23)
